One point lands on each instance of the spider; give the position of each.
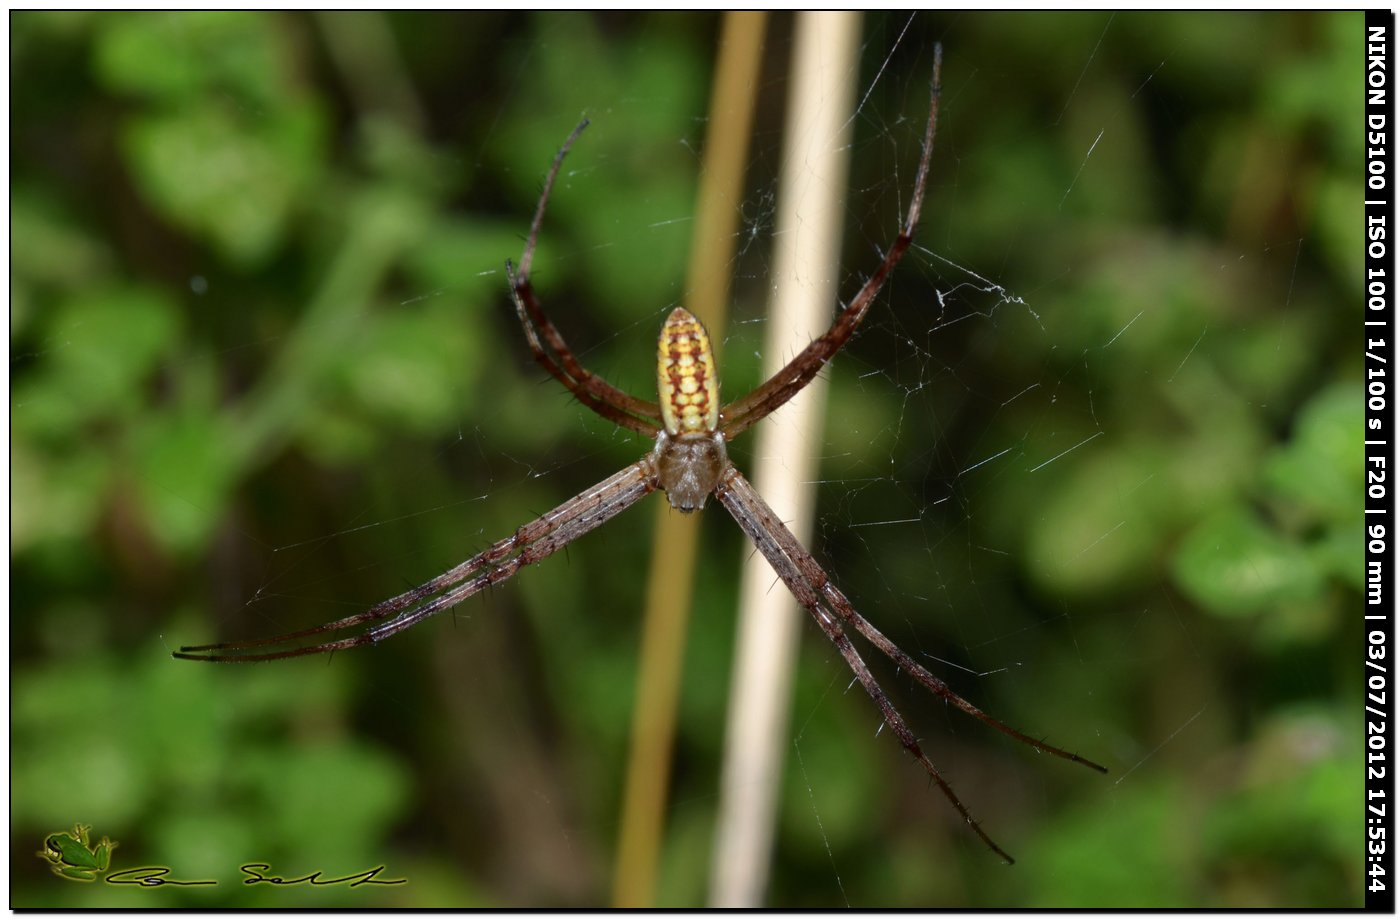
(689, 463)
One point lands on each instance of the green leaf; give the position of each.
(342, 792)
(1321, 467)
(102, 347)
(1131, 854)
(1231, 564)
(49, 247)
(416, 369)
(231, 179)
(54, 497)
(177, 56)
(184, 472)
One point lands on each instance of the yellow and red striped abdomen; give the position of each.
(685, 376)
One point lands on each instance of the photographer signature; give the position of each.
(255, 873)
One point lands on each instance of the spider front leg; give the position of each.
(596, 393)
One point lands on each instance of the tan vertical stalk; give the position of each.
(672, 577)
(805, 281)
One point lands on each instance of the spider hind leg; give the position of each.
(813, 589)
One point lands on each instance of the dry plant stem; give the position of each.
(672, 574)
(807, 237)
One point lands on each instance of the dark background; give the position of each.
(264, 372)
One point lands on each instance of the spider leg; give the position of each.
(602, 397)
(814, 575)
(817, 577)
(763, 528)
(933, 684)
(533, 542)
(745, 411)
(815, 591)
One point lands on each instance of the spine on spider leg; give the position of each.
(930, 132)
(906, 737)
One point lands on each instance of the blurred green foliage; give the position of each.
(1096, 453)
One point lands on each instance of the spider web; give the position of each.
(966, 401)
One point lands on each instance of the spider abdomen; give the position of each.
(685, 376)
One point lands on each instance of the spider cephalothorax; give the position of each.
(689, 462)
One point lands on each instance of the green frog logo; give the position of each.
(69, 855)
